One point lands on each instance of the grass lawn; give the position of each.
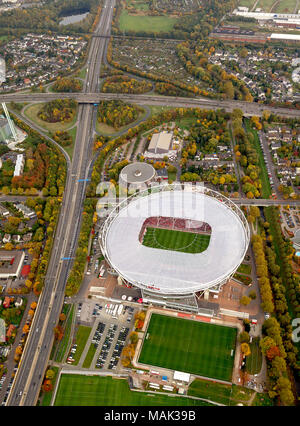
(266, 187)
(186, 122)
(82, 73)
(106, 130)
(218, 392)
(89, 356)
(158, 109)
(82, 335)
(32, 113)
(145, 23)
(77, 390)
(245, 279)
(169, 239)
(63, 344)
(247, 3)
(245, 268)
(254, 360)
(69, 149)
(48, 395)
(213, 391)
(193, 347)
(285, 6)
(266, 5)
(262, 400)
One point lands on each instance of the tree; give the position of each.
(128, 351)
(252, 295)
(245, 300)
(47, 386)
(266, 343)
(284, 389)
(134, 337)
(19, 350)
(62, 317)
(33, 305)
(245, 349)
(244, 52)
(8, 246)
(244, 337)
(273, 352)
(50, 374)
(25, 329)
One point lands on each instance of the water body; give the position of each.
(73, 19)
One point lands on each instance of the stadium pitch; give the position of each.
(193, 347)
(169, 239)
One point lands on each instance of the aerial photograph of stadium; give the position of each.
(149, 206)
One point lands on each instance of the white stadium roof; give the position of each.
(173, 272)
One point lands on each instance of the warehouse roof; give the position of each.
(160, 141)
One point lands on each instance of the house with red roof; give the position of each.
(10, 330)
(6, 302)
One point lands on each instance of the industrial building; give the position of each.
(11, 262)
(161, 145)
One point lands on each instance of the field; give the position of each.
(280, 6)
(137, 23)
(193, 347)
(32, 111)
(266, 188)
(169, 239)
(81, 338)
(219, 392)
(254, 360)
(80, 390)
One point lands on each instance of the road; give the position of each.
(36, 353)
(91, 97)
(38, 346)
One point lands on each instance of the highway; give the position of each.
(91, 97)
(27, 383)
(28, 380)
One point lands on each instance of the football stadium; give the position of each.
(175, 240)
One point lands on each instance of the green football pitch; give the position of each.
(169, 239)
(193, 347)
(81, 390)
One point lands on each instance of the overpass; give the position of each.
(91, 98)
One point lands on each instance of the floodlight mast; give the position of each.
(9, 120)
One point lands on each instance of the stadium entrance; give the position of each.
(181, 303)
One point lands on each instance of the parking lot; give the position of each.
(111, 326)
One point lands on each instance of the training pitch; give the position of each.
(193, 347)
(169, 239)
(81, 390)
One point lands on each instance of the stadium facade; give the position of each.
(168, 277)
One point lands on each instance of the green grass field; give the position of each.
(266, 187)
(193, 347)
(169, 239)
(254, 360)
(89, 356)
(32, 111)
(155, 24)
(81, 338)
(80, 390)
